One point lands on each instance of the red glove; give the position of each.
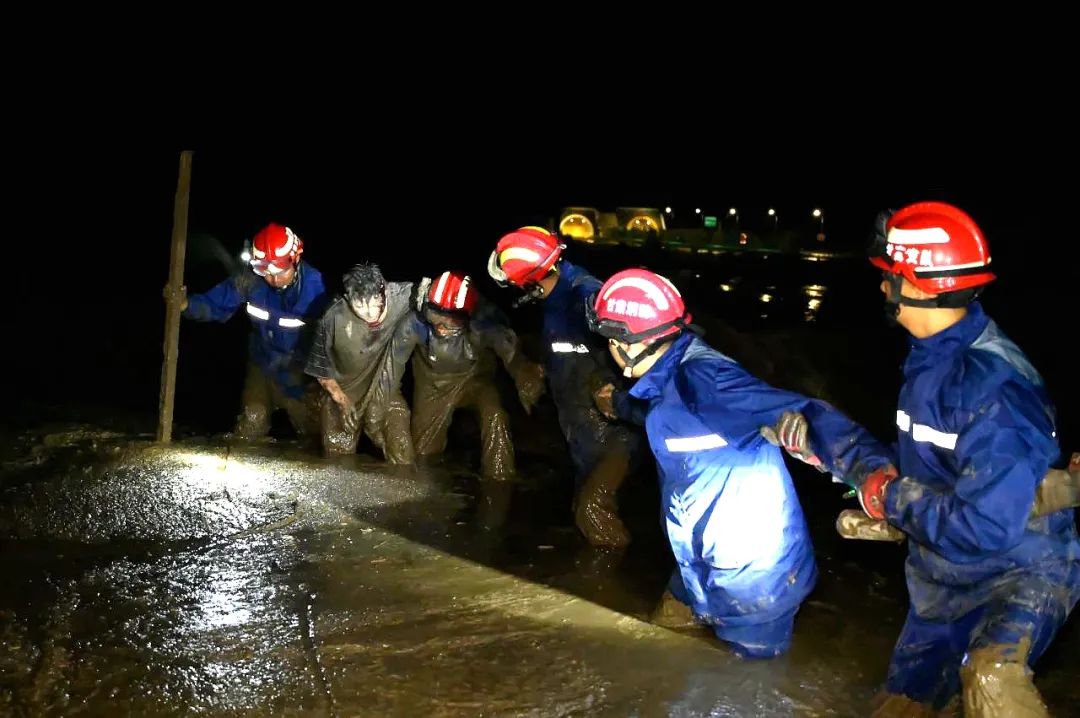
(872, 491)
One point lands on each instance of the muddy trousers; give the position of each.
(603, 453)
(387, 429)
(987, 654)
(262, 396)
(764, 639)
(432, 414)
(596, 510)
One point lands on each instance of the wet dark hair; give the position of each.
(364, 281)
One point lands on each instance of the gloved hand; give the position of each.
(1059, 489)
(530, 384)
(871, 490)
(790, 433)
(855, 524)
(350, 418)
(179, 296)
(604, 398)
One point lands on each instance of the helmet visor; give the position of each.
(607, 328)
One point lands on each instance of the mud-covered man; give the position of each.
(348, 358)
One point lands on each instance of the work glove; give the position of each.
(1059, 489)
(791, 434)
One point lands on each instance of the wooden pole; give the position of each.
(173, 299)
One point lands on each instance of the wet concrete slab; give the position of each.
(215, 579)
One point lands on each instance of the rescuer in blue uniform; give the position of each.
(575, 362)
(283, 297)
(993, 567)
(744, 557)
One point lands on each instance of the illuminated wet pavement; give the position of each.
(210, 580)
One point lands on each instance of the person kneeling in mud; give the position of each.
(348, 358)
(453, 338)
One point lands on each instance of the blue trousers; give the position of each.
(1020, 617)
(751, 640)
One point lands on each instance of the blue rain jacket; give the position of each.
(730, 509)
(572, 356)
(975, 436)
(281, 320)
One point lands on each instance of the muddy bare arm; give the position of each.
(334, 390)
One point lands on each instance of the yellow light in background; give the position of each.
(766, 298)
(577, 226)
(643, 223)
(725, 287)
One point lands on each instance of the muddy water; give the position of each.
(224, 581)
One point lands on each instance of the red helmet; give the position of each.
(637, 305)
(452, 292)
(275, 249)
(935, 246)
(524, 257)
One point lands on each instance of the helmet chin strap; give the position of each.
(630, 362)
(537, 292)
(946, 300)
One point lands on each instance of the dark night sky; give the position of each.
(446, 197)
(96, 216)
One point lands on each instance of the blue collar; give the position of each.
(652, 384)
(951, 341)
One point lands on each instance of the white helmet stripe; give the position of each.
(290, 243)
(930, 235)
(520, 253)
(650, 289)
(969, 265)
(668, 282)
(459, 302)
(440, 287)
